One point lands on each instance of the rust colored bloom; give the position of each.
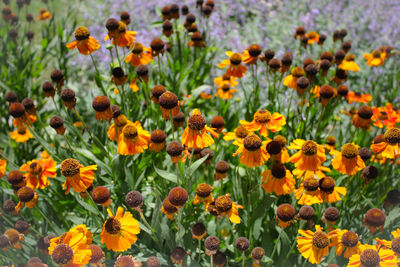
(85, 43)
(168, 209)
(157, 47)
(119, 232)
(27, 197)
(221, 170)
(101, 195)
(313, 245)
(197, 133)
(252, 54)
(226, 207)
(312, 37)
(308, 192)
(198, 231)
(203, 194)
(348, 161)
(133, 139)
(169, 104)
(139, 55)
(285, 214)
(376, 58)
(375, 218)
(102, 106)
(308, 160)
(346, 242)
(362, 118)
(278, 180)
(77, 176)
(174, 150)
(157, 140)
(72, 248)
(57, 123)
(196, 40)
(44, 14)
(291, 80)
(263, 121)
(218, 123)
(358, 97)
(373, 256)
(234, 62)
(252, 151)
(38, 171)
(121, 36)
(385, 116)
(331, 193)
(389, 146)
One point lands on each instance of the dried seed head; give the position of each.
(322, 38)
(57, 76)
(25, 194)
(379, 139)
(68, 95)
(70, 167)
(207, 153)
(309, 148)
(168, 207)
(198, 229)
(179, 119)
(222, 167)
(153, 262)
(365, 112)
(242, 244)
(303, 83)
(125, 261)
(343, 90)
(158, 136)
(101, 194)
(269, 54)
(112, 24)
(4, 242)
(116, 111)
(142, 70)
(285, 212)
(252, 142)
(396, 245)
(300, 31)
(375, 217)
(190, 19)
(168, 100)
(287, 59)
(134, 199)
(178, 253)
(118, 72)
(157, 44)
(339, 56)
(311, 70)
(306, 212)
(21, 226)
(11, 97)
(223, 204)
(311, 183)
(393, 196)
(56, 122)
(327, 55)
(62, 254)
(326, 91)
(332, 214)
(185, 10)
(350, 239)
(254, 50)
(17, 110)
(274, 64)
(97, 254)
(278, 171)
(307, 62)
(365, 153)
(257, 253)
(157, 91)
(217, 122)
(370, 258)
(392, 136)
(174, 149)
(346, 46)
(9, 206)
(274, 147)
(15, 177)
(212, 243)
(178, 196)
(219, 259)
(203, 190)
(235, 59)
(325, 64)
(320, 239)
(167, 25)
(370, 172)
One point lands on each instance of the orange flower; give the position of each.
(3, 166)
(39, 171)
(133, 139)
(226, 207)
(115, 129)
(225, 92)
(203, 194)
(345, 241)
(139, 55)
(313, 37)
(72, 248)
(278, 180)
(44, 14)
(77, 176)
(85, 43)
(237, 135)
(122, 36)
(197, 133)
(348, 161)
(308, 192)
(313, 245)
(370, 255)
(331, 193)
(291, 80)
(169, 104)
(389, 147)
(119, 231)
(21, 135)
(27, 197)
(308, 160)
(252, 54)
(234, 62)
(394, 244)
(385, 116)
(276, 148)
(252, 151)
(376, 58)
(133, 85)
(358, 97)
(264, 121)
(349, 64)
(226, 79)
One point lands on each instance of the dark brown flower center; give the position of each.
(252, 142)
(311, 184)
(309, 148)
(203, 190)
(285, 212)
(241, 132)
(349, 151)
(81, 33)
(223, 203)
(262, 116)
(396, 245)
(235, 59)
(130, 132)
(392, 136)
(278, 171)
(370, 258)
(113, 226)
(196, 122)
(70, 167)
(62, 254)
(320, 240)
(349, 239)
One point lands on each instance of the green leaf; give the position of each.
(166, 175)
(196, 165)
(87, 206)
